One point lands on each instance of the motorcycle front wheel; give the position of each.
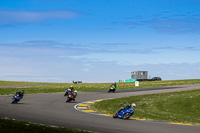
(68, 99)
(115, 115)
(126, 116)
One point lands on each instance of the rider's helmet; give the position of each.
(75, 92)
(133, 105)
(71, 87)
(22, 91)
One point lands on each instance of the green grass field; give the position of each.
(60, 87)
(13, 126)
(12, 83)
(181, 107)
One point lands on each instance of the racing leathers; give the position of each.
(20, 94)
(114, 86)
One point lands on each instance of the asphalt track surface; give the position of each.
(51, 109)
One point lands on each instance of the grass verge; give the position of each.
(60, 87)
(183, 107)
(13, 126)
(12, 83)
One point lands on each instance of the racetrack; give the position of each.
(51, 109)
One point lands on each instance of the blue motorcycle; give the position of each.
(15, 99)
(124, 113)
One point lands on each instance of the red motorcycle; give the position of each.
(71, 96)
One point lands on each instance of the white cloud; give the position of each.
(86, 70)
(16, 17)
(36, 63)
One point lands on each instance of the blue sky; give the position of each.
(98, 40)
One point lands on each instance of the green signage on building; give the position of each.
(127, 80)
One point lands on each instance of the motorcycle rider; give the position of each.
(74, 94)
(70, 89)
(114, 85)
(20, 94)
(133, 105)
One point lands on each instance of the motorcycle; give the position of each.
(124, 113)
(71, 96)
(15, 99)
(111, 89)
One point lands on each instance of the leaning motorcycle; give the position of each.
(124, 114)
(71, 96)
(15, 99)
(112, 89)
